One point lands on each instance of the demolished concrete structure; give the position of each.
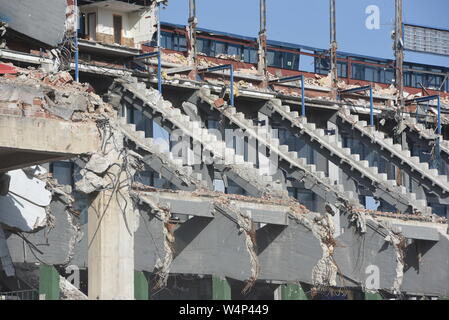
(134, 188)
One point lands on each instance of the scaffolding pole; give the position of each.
(262, 42)
(193, 22)
(77, 73)
(333, 48)
(399, 52)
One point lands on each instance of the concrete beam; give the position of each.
(41, 140)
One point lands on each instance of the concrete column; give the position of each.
(264, 161)
(221, 289)
(141, 287)
(372, 296)
(292, 292)
(48, 283)
(111, 246)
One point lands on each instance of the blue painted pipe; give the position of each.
(232, 85)
(371, 107)
(303, 98)
(159, 72)
(439, 115)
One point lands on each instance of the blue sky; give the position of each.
(307, 22)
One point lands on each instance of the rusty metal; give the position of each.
(399, 53)
(191, 39)
(333, 48)
(262, 66)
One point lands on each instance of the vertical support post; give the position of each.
(158, 25)
(437, 161)
(159, 72)
(399, 52)
(48, 282)
(192, 54)
(371, 107)
(221, 290)
(262, 41)
(292, 292)
(159, 66)
(232, 84)
(141, 287)
(439, 115)
(333, 48)
(77, 77)
(303, 98)
(110, 247)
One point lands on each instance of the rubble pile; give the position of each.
(33, 92)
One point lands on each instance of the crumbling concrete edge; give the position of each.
(245, 225)
(361, 220)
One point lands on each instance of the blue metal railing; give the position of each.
(431, 98)
(290, 79)
(159, 66)
(224, 67)
(371, 99)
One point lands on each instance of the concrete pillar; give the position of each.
(111, 246)
(372, 296)
(141, 287)
(221, 289)
(264, 161)
(48, 283)
(292, 292)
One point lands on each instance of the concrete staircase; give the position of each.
(151, 103)
(427, 134)
(429, 178)
(161, 161)
(289, 161)
(357, 169)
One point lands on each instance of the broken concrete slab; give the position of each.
(24, 208)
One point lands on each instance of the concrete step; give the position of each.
(310, 126)
(294, 114)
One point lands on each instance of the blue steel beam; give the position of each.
(371, 100)
(303, 98)
(224, 67)
(287, 79)
(159, 66)
(425, 99)
(431, 98)
(293, 78)
(354, 90)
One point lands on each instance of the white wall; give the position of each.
(135, 24)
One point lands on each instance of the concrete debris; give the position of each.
(232, 57)
(98, 164)
(25, 207)
(5, 256)
(68, 291)
(399, 244)
(359, 219)
(246, 226)
(162, 267)
(175, 58)
(34, 92)
(325, 271)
